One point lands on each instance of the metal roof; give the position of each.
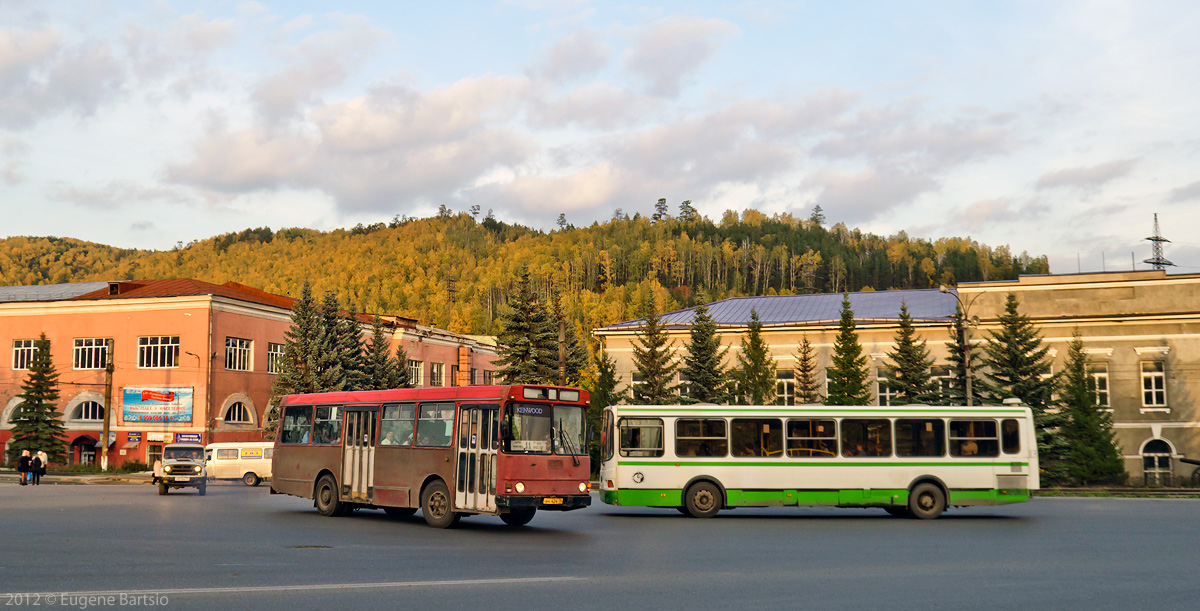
(923, 304)
(47, 292)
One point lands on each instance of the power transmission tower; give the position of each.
(1157, 261)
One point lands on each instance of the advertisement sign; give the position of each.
(187, 437)
(133, 436)
(157, 404)
(158, 437)
(251, 453)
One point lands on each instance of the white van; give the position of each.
(249, 461)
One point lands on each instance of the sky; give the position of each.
(1057, 128)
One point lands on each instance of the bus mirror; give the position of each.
(505, 430)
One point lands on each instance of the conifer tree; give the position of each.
(654, 359)
(528, 338)
(756, 369)
(808, 389)
(703, 365)
(403, 379)
(330, 357)
(910, 378)
(602, 385)
(958, 351)
(575, 350)
(352, 351)
(1092, 453)
(848, 375)
(1018, 366)
(382, 369)
(297, 369)
(36, 422)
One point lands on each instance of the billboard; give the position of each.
(157, 404)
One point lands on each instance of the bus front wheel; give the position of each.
(703, 500)
(519, 516)
(328, 503)
(926, 501)
(435, 506)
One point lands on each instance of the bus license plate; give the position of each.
(550, 500)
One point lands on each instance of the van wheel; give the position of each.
(326, 497)
(435, 506)
(926, 501)
(703, 500)
(251, 479)
(519, 516)
(162, 488)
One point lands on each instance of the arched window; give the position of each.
(237, 413)
(88, 411)
(1156, 463)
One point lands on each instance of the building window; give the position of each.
(474, 377)
(489, 377)
(1154, 384)
(785, 387)
(158, 352)
(274, 357)
(237, 354)
(684, 385)
(1156, 463)
(238, 413)
(88, 411)
(414, 373)
(887, 394)
(940, 377)
(436, 376)
(454, 375)
(1099, 373)
(90, 353)
(23, 353)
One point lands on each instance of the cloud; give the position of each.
(15, 152)
(1087, 178)
(861, 196)
(669, 52)
(39, 77)
(244, 160)
(1186, 193)
(601, 106)
(187, 42)
(118, 193)
(580, 54)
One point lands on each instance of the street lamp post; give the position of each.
(966, 336)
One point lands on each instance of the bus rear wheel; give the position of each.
(519, 516)
(435, 506)
(251, 479)
(703, 500)
(926, 501)
(326, 497)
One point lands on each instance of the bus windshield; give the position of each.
(541, 428)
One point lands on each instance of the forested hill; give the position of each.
(454, 272)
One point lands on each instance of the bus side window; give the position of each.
(757, 437)
(811, 438)
(866, 438)
(1010, 436)
(920, 437)
(973, 438)
(606, 436)
(297, 421)
(695, 437)
(641, 437)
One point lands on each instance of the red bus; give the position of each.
(450, 452)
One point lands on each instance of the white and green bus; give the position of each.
(913, 460)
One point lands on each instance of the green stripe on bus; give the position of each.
(809, 498)
(664, 463)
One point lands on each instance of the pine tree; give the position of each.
(297, 369)
(703, 365)
(808, 389)
(654, 359)
(756, 369)
(1018, 366)
(382, 369)
(848, 376)
(403, 379)
(959, 350)
(1092, 453)
(602, 383)
(910, 378)
(528, 339)
(36, 422)
(331, 371)
(352, 351)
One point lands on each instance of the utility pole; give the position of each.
(562, 352)
(108, 375)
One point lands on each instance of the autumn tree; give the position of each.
(704, 363)
(755, 374)
(848, 376)
(36, 422)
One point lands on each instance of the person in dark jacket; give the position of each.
(23, 465)
(36, 469)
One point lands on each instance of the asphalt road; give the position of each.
(94, 545)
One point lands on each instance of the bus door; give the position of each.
(358, 453)
(478, 440)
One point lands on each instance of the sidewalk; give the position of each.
(9, 476)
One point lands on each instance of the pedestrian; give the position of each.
(23, 464)
(35, 470)
(45, 463)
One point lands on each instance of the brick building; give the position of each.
(1141, 332)
(193, 361)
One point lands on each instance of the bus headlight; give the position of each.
(582, 486)
(520, 487)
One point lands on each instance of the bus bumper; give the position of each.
(563, 502)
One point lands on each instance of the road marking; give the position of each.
(311, 587)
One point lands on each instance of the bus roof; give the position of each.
(823, 410)
(432, 393)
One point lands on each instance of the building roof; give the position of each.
(47, 292)
(183, 287)
(923, 304)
